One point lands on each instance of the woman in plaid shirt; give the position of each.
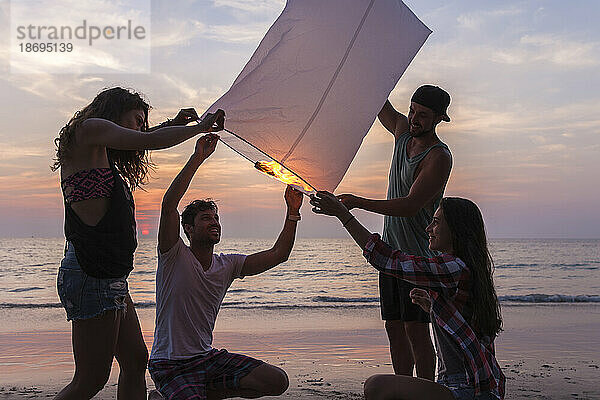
(456, 287)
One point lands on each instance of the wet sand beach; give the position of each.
(549, 351)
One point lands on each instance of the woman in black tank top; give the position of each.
(111, 132)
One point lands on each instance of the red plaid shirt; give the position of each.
(450, 281)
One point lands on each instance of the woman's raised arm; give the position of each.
(101, 132)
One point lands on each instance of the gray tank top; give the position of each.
(449, 355)
(408, 233)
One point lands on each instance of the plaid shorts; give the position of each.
(191, 378)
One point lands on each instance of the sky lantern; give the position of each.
(309, 94)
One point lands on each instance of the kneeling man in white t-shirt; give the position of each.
(191, 282)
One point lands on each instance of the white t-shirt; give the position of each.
(188, 300)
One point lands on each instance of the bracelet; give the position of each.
(294, 217)
(348, 220)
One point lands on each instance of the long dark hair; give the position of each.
(469, 243)
(110, 104)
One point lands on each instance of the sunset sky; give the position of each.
(525, 130)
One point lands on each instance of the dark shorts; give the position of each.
(84, 296)
(461, 390)
(191, 378)
(396, 303)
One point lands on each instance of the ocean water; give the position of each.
(329, 273)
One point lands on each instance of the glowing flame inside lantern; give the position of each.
(279, 172)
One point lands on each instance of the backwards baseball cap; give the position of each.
(433, 97)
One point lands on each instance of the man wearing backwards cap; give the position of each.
(418, 174)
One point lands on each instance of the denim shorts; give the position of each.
(461, 390)
(84, 296)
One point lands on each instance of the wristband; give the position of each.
(294, 217)
(348, 220)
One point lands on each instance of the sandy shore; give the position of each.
(547, 351)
